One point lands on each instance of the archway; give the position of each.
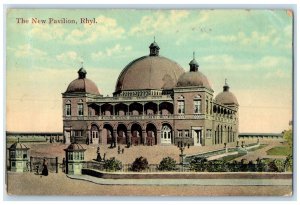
(136, 133)
(136, 108)
(121, 109)
(166, 134)
(122, 134)
(150, 108)
(166, 108)
(108, 133)
(94, 134)
(151, 133)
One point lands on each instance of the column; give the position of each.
(158, 137)
(158, 108)
(144, 136)
(113, 110)
(129, 136)
(143, 108)
(173, 137)
(100, 137)
(88, 136)
(115, 135)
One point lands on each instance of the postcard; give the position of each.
(149, 102)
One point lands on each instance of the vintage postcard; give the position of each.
(137, 102)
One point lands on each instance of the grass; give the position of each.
(282, 150)
(232, 157)
(257, 148)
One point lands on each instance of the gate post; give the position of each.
(56, 163)
(30, 163)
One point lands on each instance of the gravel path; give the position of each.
(60, 184)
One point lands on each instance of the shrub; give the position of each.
(261, 166)
(112, 164)
(199, 164)
(272, 166)
(288, 163)
(139, 164)
(167, 164)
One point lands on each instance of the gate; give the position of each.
(36, 163)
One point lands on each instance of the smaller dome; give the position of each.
(82, 84)
(75, 147)
(18, 145)
(193, 79)
(226, 97)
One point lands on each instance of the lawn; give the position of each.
(282, 150)
(257, 148)
(231, 157)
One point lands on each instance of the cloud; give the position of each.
(160, 21)
(106, 28)
(68, 56)
(115, 51)
(26, 50)
(47, 31)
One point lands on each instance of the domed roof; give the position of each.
(75, 147)
(226, 97)
(149, 72)
(193, 79)
(82, 84)
(18, 145)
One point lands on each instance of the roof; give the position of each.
(193, 79)
(75, 147)
(226, 97)
(149, 72)
(18, 145)
(83, 85)
(261, 134)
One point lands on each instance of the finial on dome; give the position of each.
(154, 48)
(81, 72)
(226, 86)
(193, 64)
(154, 39)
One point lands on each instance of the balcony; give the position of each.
(140, 117)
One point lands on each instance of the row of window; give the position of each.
(75, 155)
(79, 109)
(197, 107)
(186, 133)
(18, 154)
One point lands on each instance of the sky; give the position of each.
(251, 48)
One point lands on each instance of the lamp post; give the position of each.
(181, 147)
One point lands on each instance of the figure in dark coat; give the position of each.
(45, 168)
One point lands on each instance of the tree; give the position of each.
(167, 164)
(288, 136)
(139, 164)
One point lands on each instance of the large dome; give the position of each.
(149, 72)
(226, 97)
(82, 84)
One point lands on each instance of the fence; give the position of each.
(127, 167)
(36, 164)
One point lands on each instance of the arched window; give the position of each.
(80, 108)
(197, 104)
(181, 105)
(68, 108)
